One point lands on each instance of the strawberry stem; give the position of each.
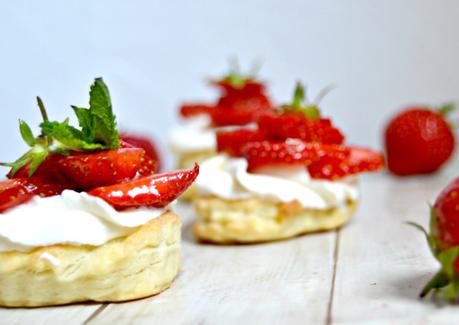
(44, 115)
(446, 109)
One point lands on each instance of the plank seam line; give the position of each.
(96, 313)
(329, 319)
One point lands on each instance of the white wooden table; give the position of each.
(371, 271)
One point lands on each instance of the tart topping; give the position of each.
(155, 190)
(297, 134)
(151, 163)
(242, 101)
(120, 169)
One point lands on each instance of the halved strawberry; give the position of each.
(191, 110)
(48, 171)
(89, 170)
(359, 160)
(233, 142)
(155, 190)
(298, 126)
(152, 162)
(264, 153)
(20, 190)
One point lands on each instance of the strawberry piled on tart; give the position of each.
(84, 216)
(290, 175)
(242, 101)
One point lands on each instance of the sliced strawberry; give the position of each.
(264, 153)
(155, 190)
(20, 190)
(233, 142)
(191, 110)
(152, 162)
(48, 171)
(102, 168)
(297, 126)
(359, 160)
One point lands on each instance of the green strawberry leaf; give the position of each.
(26, 133)
(446, 109)
(440, 280)
(300, 103)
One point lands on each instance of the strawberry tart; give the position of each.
(242, 100)
(290, 175)
(83, 216)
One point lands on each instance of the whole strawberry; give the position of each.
(444, 243)
(419, 141)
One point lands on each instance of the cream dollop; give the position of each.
(197, 134)
(194, 135)
(70, 218)
(228, 178)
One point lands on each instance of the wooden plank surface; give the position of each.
(274, 283)
(383, 263)
(68, 315)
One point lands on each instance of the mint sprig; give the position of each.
(97, 131)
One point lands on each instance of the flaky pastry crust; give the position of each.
(257, 220)
(136, 266)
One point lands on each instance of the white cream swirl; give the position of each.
(70, 218)
(194, 135)
(228, 178)
(197, 134)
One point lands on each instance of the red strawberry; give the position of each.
(152, 162)
(20, 190)
(89, 170)
(298, 126)
(190, 110)
(359, 160)
(447, 216)
(443, 240)
(47, 172)
(268, 153)
(233, 142)
(155, 190)
(418, 141)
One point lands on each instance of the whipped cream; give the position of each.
(70, 218)
(197, 134)
(194, 135)
(228, 178)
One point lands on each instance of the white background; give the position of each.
(382, 55)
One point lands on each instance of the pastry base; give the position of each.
(187, 161)
(136, 266)
(257, 220)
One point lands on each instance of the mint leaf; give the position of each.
(69, 136)
(85, 122)
(98, 131)
(100, 109)
(26, 133)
